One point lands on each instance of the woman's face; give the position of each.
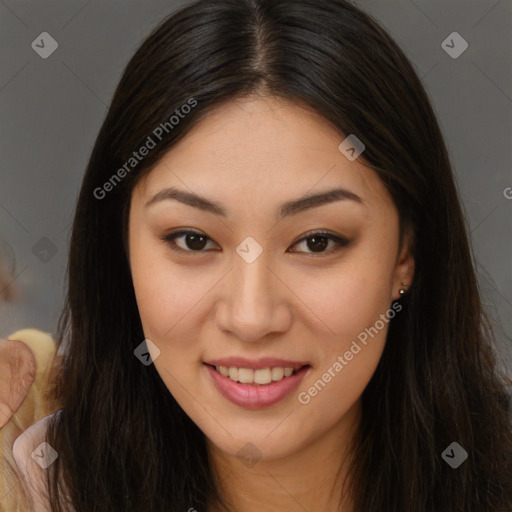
(249, 290)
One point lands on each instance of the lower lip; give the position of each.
(254, 396)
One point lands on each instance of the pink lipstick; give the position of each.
(251, 395)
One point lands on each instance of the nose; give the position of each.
(254, 302)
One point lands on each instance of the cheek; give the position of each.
(327, 398)
(350, 353)
(167, 301)
(352, 309)
(342, 302)
(165, 293)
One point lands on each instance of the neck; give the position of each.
(312, 478)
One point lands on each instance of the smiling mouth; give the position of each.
(260, 377)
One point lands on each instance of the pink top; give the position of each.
(33, 455)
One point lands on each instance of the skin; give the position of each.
(251, 155)
(17, 373)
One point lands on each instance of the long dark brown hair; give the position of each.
(124, 443)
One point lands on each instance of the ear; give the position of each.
(17, 370)
(404, 270)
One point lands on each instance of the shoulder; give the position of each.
(29, 440)
(33, 455)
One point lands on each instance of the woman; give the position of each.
(272, 301)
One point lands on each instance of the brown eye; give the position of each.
(192, 241)
(195, 242)
(318, 241)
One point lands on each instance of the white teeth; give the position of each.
(277, 373)
(245, 375)
(262, 376)
(249, 376)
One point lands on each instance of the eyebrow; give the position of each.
(285, 210)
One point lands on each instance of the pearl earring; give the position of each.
(402, 291)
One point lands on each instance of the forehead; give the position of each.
(271, 147)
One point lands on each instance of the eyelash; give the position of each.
(340, 242)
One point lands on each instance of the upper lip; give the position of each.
(257, 364)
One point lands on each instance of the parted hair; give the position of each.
(124, 443)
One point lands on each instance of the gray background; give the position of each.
(52, 109)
